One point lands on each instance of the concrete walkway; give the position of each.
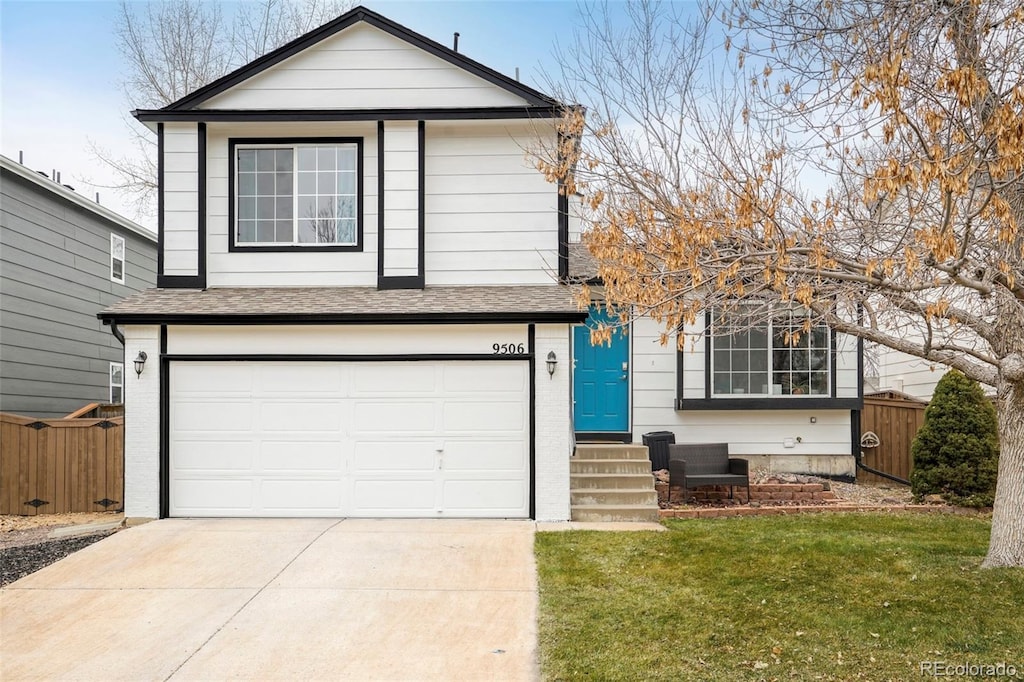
(276, 599)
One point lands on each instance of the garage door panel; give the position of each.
(395, 416)
(205, 378)
(215, 455)
(212, 496)
(474, 497)
(394, 456)
(302, 496)
(486, 416)
(301, 379)
(401, 498)
(503, 377)
(500, 456)
(212, 416)
(302, 455)
(413, 439)
(301, 415)
(406, 378)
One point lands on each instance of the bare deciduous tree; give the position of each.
(863, 160)
(173, 47)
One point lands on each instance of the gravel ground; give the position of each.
(26, 545)
(17, 562)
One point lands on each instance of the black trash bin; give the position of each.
(657, 443)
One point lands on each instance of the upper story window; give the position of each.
(297, 194)
(117, 255)
(777, 356)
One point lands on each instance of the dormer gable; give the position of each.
(361, 60)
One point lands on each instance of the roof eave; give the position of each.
(150, 117)
(552, 316)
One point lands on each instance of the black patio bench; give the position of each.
(692, 465)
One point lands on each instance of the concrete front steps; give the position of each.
(612, 482)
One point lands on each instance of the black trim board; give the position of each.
(344, 21)
(380, 200)
(833, 357)
(855, 434)
(159, 200)
(797, 403)
(180, 282)
(365, 357)
(531, 350)
(339, 115)
(234, 142)
(563, 221)
(347, 318)
(165, 427)
(201, 190)
(421, 202)
(400, 282)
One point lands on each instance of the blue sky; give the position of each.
(60, 69)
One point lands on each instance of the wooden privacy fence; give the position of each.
(51, 466)
(895, 422)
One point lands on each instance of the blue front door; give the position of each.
(600, 379)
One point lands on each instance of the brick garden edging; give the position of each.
(721, 512)
(759, 492)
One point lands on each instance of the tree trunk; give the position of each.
(1006, 546)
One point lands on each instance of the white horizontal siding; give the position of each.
(181, 199)
(576, 213)
(401, 198)
(847, 377)
(363, 67)
(748, 432)
(907, 373)
(287, 268)
(491, 218)
(341, 340)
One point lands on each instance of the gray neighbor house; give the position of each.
(63, 258)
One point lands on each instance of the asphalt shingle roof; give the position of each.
(582, 265)
(312, 304)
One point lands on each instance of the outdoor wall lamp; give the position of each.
(140, 362)
(552, 362)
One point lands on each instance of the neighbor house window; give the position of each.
(117, 259)
(116, 383)
(296, 194)
(769, 355)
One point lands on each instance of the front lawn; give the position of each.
(822, 597)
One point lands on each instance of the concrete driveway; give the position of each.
(276, 599)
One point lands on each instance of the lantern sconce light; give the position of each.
(140, 362)
(552, 362)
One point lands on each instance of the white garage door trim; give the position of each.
(427, 438)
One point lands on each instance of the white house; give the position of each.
(362, 310)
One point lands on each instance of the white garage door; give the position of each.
(377, 439)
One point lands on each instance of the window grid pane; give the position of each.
(740, 357)
(327, 195)
(304, 194)
(745, 355)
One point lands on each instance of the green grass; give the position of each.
(822, 597)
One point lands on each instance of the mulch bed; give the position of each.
(18, 561)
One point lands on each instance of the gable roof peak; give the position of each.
(353, 16)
